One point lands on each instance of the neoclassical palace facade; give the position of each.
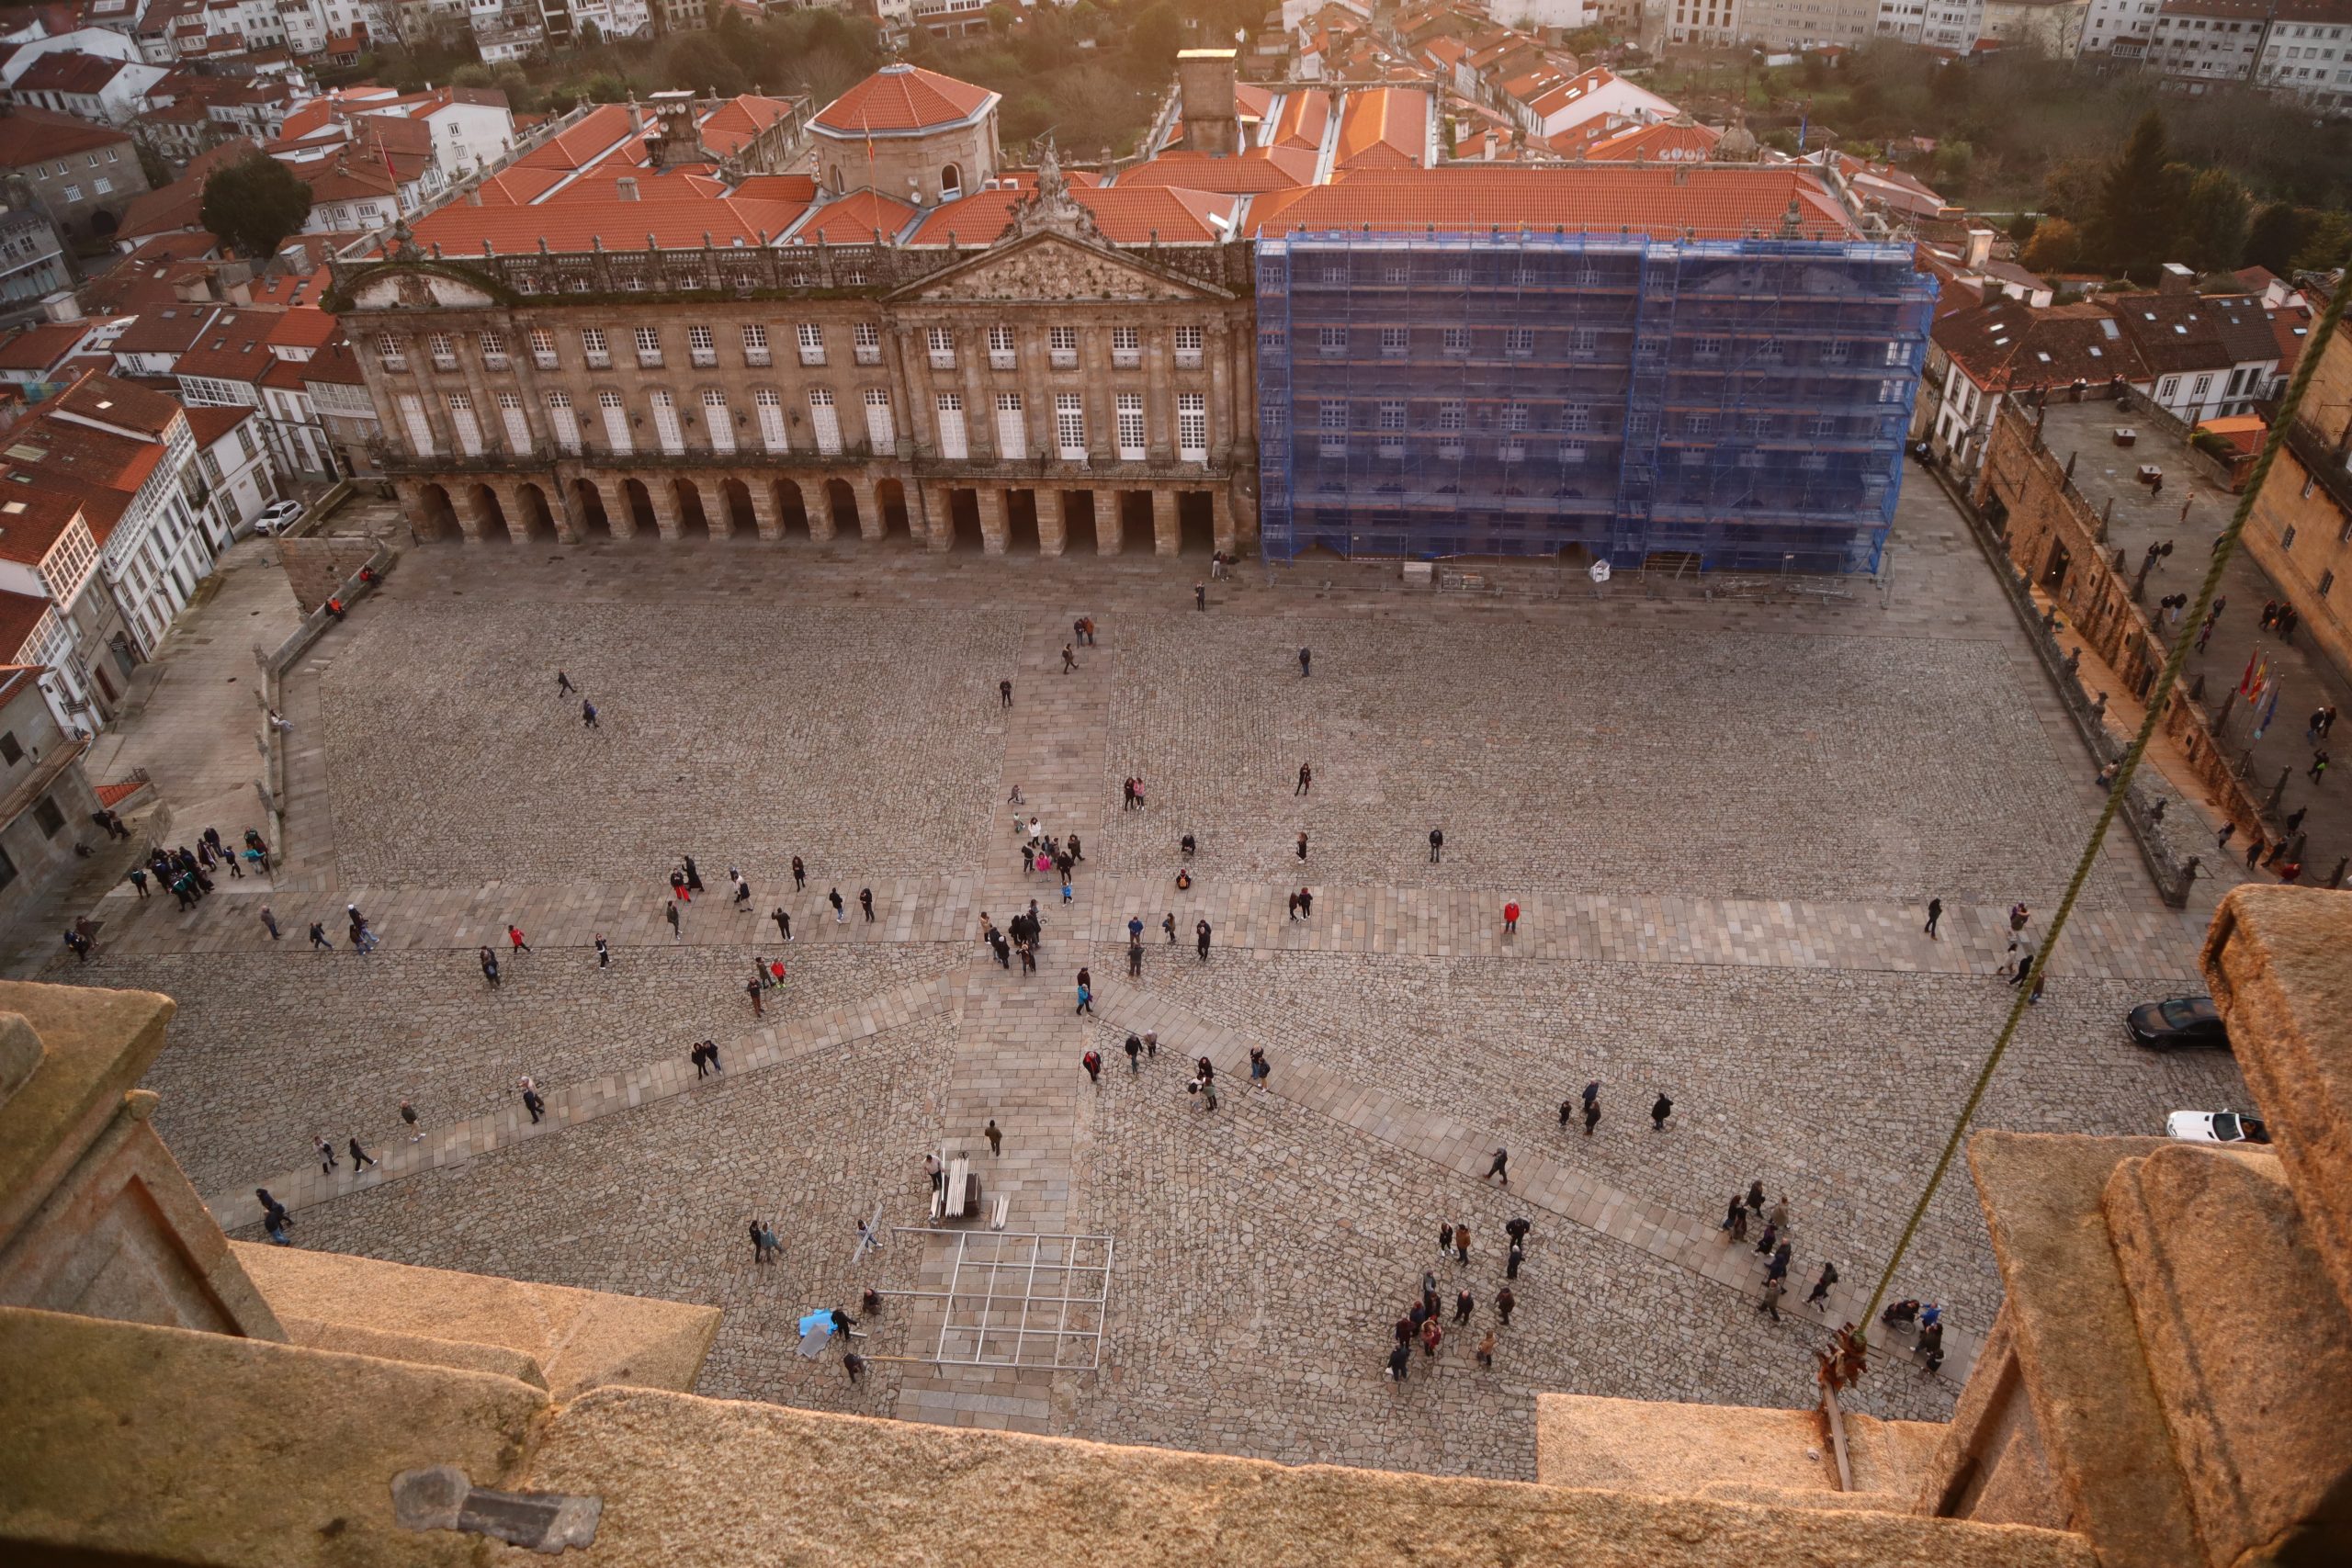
(1051, 390)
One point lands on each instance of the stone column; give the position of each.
(712, 487)
(938, 504)
(992, 531)
(564, 507)
(614, 489)
(1053, 522)
(1110, 537)
(817, 501)
(1221, 519)
(473, 517)
(410, 495)
(1165, 534)
(663, 492)
(510, 500)
(764, 513)
(869, 509)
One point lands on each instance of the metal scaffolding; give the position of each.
(1737, 403)
(1019, 1298)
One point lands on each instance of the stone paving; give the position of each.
(1720, 820)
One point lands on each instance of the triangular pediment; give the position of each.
(1055, 267)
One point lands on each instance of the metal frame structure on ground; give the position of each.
(974, 1318)
(1738, 403)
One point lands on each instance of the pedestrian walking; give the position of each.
(1505, 1299)
(1437, 845)
(1258, 1067)
(1004, 694)
(701, 1059)
(1935, 913)
(1070, 659)
(1511, 1260)
(2255, 846)
(751, 989)
(319, 935)
(1660, 1109)
(2222, 841)
(360, 1158)
(1499, 1167)
(2025, 967)
(1306, 779)
(2319, 766)
(931, 1169)
(841, 915)
(1774, 1289)
(1461, 1243)
(1306, 663)
(1517, 1229)
(515, 940)
(1777, 1215)
(1167, 924)
(1201, 596)
(1510, 918)
(1770, 1239)
(408, 1117)
(1735, 1225)
(1591, 1112)
(1085, 998)
(1819, 1300)
(1201, 938)
(1134, 1054)
(1779, 1268)
(742, 890)
(490, 967)
(1208, 1093)
(1463, 1305)
(866, 902)
(1486, 1352)
(138, 880)
(2018, 915)
(1302, 846)
(534, 1104)
(588, 713)
(563, 686)
(776, 974)
(327, 1162)
(1092, 1063)
(1431, 1336)
(671, 914)
(799, 884)
(995, 1137)
(1399, 1359)
(604, 952)
(1135, 958)
(268, 919)
(853, 1364)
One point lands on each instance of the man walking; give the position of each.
(1004, 694)
(1660, 1110)
(1306, 779)
(1134, 1054)
(1935, 913)
(751, 989)
(1092, 1063)
(671, 914)
(1463, 1305)
(534, 1104)
(563, 686)
(866, 902)
(1135, 957)
(1437, 845)
(1201, 938)
(1774, 1289)
(994, 1136)
(1505, 1299)
(490, 967)
(269, 921)
(1085, 998)
(1306, 663)
(833, 897)
(360, 1158)
(587, 713)
(319, 935)
(1819, 1300)
(327, 1162)
(515, 941)
(1510, 918)
(604, 952)
(783, 923)
(1498, 1167)
(1591, 1105)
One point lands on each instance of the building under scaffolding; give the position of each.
(1740, 402)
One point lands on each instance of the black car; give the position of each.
(2179, 1023)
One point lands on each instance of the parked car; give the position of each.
(2179, 1022)
(2217, 1127)
(277, 515)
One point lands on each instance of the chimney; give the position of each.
(625, 188)
(1204, 88)
(2177, 279)
(675, 140)
(1979, 251)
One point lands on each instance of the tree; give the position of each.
(151, 164)
(2274, 237)
(2324, 245)
(252, 204)
(591, 35)
(2139, 203)
(2056, 246)
(2212, 220)
(2021, 227)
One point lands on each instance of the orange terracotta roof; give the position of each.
(113, 795)
(20, 617)
(1668, 142)
(779, 188)
(584, 143)
(1126, 217)
(900, 99)
(208, 424)
(1709, 201)
(741, 120)
(41, 346)
(861, 217)
(114, 401)
(301, 329)
(1253, 173)
(674, 223)
(518, 184)
(1305, 115)
(32, 515)
(1385, 129)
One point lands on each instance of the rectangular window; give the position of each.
(717, 420)
(953, 444)
(867, 337)
(1188, 348)
(1192, 427)
(1069, 424)
(2287, 539)
(543, 348)
(391, 352)
(1834, 351)
(1699, 425)
(1001, 349)
(461, 419)
(1061, 347)
(1515, 417)
(616, 434)
(11, 752)
(1822, 425)
(648, 346)
(1452, 415)
(702, 349)
(494, 351)
(1585, 342)
(419, 430)
(1707, 348)
(1129, 409)
(881, 430)
(564, 423)
(444, 349)
(825, 420)
(2204, 384)
(48, 817)
(1331, 340)
(212, 467)
(1126, 347)
(1012, 428)
(941, 342)
(666, 427)
(1576, 418)
(811, 335)
(755, 345)
(518, 428)
(592, 348)
(2326, 581)
(1394, 342)
(1519, 342)
(770, 407)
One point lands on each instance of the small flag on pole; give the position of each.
(2246, 682)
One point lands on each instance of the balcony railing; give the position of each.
(648, 359)
(869, 354)
(1188, 359)
(597, 360)
(543, 361)
(703, 357)
(756, 358)
(1001, 359)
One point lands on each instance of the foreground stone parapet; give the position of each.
(2279, 961)
(1728, 1452)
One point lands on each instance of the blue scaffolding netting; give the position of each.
(1742, 403)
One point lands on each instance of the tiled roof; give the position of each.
(1386, 128)
(1668, 142)
(180, 204)
(1305, 115)
(116, 402)
(584, 143)
(779, 188)
(208, 424)
(739, 120)
(20, 616)
(41, 346)
(300, 329)
(333, 365)
(170, 330)
(30, 135)
(32, 513)
(1253, 173)
(1127, 216)
(900, 99)
(69, 71)
(2191, 332)
(673, 221)
(232, 349)
(861, 217)
(1709, 201)
(2006, 345)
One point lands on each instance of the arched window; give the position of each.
(951, 183)
(838, 187)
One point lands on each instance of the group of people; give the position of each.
(1043, 854)
(1774, 1247)
(1420, 1324)
(187, 874)
(1025, 934)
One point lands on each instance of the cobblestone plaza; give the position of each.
(1721, 819)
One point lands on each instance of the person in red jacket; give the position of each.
(1510, 918)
